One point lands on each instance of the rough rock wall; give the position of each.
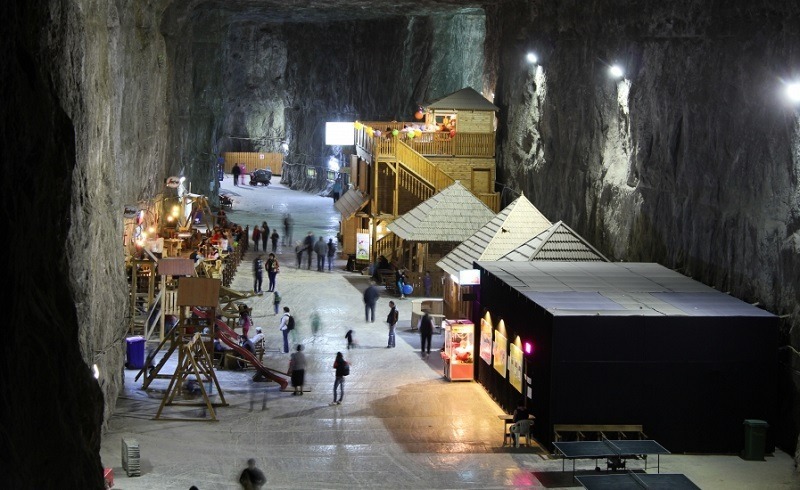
(692, 160)
(83, 133)
(243, 85)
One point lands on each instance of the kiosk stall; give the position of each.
(459, 347)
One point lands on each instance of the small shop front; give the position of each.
(459, 347)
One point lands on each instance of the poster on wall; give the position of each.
(515, 367)
(362, 246)
(486, 341)
(500, 346)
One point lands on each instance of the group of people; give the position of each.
(262, 235)
(320, 247)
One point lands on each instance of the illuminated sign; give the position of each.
(470, 277)
(339, 133)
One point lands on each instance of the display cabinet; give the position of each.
(459, 350)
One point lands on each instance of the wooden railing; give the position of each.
(438, 143)
(422, 166)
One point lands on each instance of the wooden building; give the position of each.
(399, 165)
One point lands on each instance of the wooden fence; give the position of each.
(254, 161)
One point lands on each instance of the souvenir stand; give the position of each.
(459, 348)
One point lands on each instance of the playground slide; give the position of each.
(228, 336)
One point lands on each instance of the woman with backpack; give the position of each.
(342, 368)
(273, 268)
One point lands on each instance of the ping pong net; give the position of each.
(612, 446)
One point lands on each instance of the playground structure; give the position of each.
(194, 362)
(197, 304)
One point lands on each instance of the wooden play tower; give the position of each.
(194, 361)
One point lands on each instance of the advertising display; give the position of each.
(362, 246)
(515, 366)
(486, 340)
(500, 346)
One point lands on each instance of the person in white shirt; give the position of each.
(258, 337)
(284, 327)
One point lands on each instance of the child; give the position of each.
(351, 343)
(276, 300)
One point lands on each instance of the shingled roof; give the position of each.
(516, 224)
(466, 99)
(452, 215)
(351, 202)
(557, 243)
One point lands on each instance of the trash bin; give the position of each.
(755, 438)
(135, 352)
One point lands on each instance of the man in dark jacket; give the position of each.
(391, 319)
(236, 170)
(426, 334)
(251, 477)
(370, 299)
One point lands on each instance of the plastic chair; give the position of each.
(522, 428)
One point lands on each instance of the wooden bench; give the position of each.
(580, 432)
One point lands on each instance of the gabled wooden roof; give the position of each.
(452, 215)
(510, 228)
(350, 203)
(465, 99)
(557, 243)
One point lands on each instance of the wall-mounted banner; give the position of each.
(515, 366)
(500, 356)
(362, 246)
(486, 341)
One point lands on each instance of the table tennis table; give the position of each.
(636, 481)
(615, 452)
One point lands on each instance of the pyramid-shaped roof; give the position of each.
(510, 228)
(466, 99)
(452, 215)
(557, 243)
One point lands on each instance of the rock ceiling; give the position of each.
(310, 11)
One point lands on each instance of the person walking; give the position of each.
(236, 170)
(287, 228)
(256, 237)
(331, 253)
(297, 370)
(342, 368)
(264, 235)
(274, 237)
(426, 334)
(370, 300)
(298, 250)
(276, 301)
(321, 250)
(284, 327)
(273, 268)
(351, 341)
(252, 478)
(391, 319)
(258, 273)
(427, 282)
(308, 243)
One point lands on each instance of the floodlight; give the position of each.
(616, 71)
(532, 58)
(793, 92)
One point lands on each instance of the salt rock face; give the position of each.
(690, 160)
(691, 164)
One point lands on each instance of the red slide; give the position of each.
(227, 336)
